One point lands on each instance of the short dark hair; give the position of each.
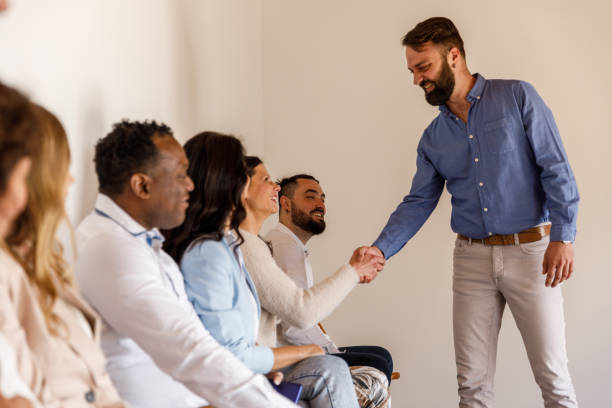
(288, 184)
(438, 30)
(127, 149)
(19, 126)
(217, 169)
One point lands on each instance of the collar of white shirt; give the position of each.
(283, 228)
(107, 208)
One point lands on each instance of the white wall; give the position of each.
(194, 64)
(326, 82)
(339, 103)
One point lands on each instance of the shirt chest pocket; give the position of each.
(498, 136)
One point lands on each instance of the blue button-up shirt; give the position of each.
(505, 169)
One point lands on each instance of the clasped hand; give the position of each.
(367, 261)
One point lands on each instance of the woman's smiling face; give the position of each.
(262, 193)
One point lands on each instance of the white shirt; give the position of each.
(11, 384)
(159, 354)
(292, 256)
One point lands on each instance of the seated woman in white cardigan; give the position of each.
(281, 298)
(208, 248)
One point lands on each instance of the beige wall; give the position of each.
(326, 82)
(339, 103)
(194, 64)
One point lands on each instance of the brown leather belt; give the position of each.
(529, 235)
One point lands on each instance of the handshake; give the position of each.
(367, 262)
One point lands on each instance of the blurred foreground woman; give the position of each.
(54, 332)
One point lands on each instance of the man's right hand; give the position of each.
(367, 261)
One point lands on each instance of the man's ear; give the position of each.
(453, 57)
(285, 203)
(140, 185)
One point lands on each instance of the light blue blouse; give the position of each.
(224, 297)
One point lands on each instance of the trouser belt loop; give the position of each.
(469, 241)
(516, 239)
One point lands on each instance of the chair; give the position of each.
(394, 375)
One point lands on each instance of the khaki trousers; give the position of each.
(485, 278)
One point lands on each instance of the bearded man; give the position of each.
(514, 205)
(301, 216)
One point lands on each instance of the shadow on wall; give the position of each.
(185, 80)
(94, 120)
(91, 128)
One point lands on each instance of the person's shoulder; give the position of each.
(251, 239)
(276, 235)
(280, 238)
(96, 227)
(206, 248)
(515, 86)
(109, 242)
(254, 247)
(115, 253)
(10, 269)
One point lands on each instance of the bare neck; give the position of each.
(253, 222)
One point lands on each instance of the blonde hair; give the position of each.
(33, 241)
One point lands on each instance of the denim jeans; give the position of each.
(485, 279)
(326, 382)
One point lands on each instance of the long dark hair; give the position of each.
(217, 169)
(250, 162)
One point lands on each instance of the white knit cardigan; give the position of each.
(282, 300)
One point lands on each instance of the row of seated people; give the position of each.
(190, 298)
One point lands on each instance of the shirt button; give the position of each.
(471, 136)
(486, 209)
(481, 184)
(90, 396)
(476, 160)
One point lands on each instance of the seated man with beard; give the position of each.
(302, 215)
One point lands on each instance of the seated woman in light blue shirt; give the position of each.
(207, 247)
(224, 297)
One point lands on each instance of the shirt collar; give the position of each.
(283, 228)
(106, 207)
(474, 95)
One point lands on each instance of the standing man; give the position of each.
(302, 215)
(514, 198)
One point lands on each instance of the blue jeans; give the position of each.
(326, 382)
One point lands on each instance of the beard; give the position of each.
(443, 86)
(306, 222)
